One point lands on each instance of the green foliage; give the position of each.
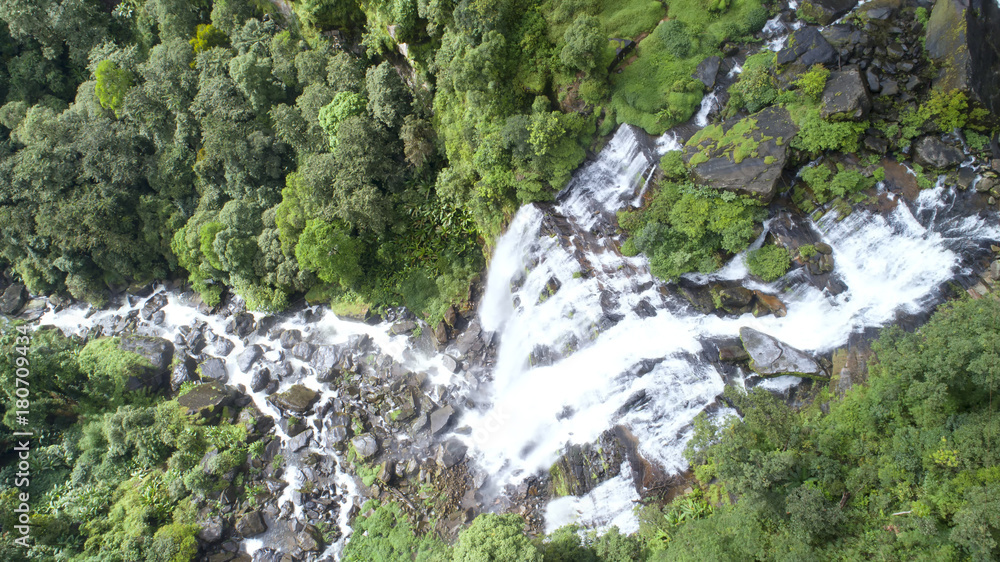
(807, 251)
(108, 368)
(495, 537)
(912, 451)
(686, 228)
(811, 83)
(757, 87)
(584, 43)
(817, 134)
(207, 37)
(112, 84)
(344, 105)
(769, 262)
(675, 38)
(387, 534)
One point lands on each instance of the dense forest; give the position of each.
(368, 155)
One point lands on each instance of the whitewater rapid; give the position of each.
(891, 265)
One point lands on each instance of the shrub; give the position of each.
(807, 251)
(672, 165)
(769, 263)
(584, 43)
(495, 537)
(812, 82)
(756, 88)
(675, 38)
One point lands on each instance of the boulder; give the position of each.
(13, 299)
(223, 346)
(845, 97)
(402, 327)
(242, 324)
(707, 71)
(261, 378)
(440, 418)
(770, 357)
(157, 352)
(826, 12)
(251, 524)
(470, 339)
(450, 453)
(248, 357)
(206, 400)
(807, 47)
(961, 38)
(750, 164)
(297, 399)
(934, 153)
(289, 338)
(211, 529)
(326, 361)
(365, 445)
(153, 305)
(180, 374)
(303, 351)
(300, 441)
(214, 369)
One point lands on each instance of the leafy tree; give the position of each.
(388, 99)
(495, 537)
(330, 252)
(112, 84)
(584, 44)
(344, 105)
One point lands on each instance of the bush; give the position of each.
(496, 537)
(769, 263)
(584, 43)
(756, 88)
(675, 38)
(812, 83)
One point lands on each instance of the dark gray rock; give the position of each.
(251, 524)
(934, 153)
(450, 453)
(365, 445)
(889, 87)
(326, 360)
(807, 47)
(402, 327)
(158, 352)
(440, 418)
(450, 363)
(13, 299)
(180, 374)
(241, 324)
(771, 357)
(211, 529)
(845, 97)
(871, 77)
(261, 378)
(707, 71)
(248, 357)
(303, 351)
(152, 305)
(289, 338)
(206, 400)
(756, 175)
(962, 39)
(300, 441)
(297, 399)
(826, 12)
(214, 369)
(470, 338)
(223, 346)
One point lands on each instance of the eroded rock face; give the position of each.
(298, 399)
(932, 152)
(962, 38)
(807, 47)
(752, 164)
(771, 357)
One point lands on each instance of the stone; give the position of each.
(261, 378)
(826, 12)
(986, 184)
(248, 357)
(441, 333)
(303, 351)
(933, 152)
(770, 357)
(242, 324)
(180, 374)
(450, 363)
(300, 441)
(871, 77)
(889, 87)
(152, 305)
(966, 177)
(772, 303)
(206, 400)
(402, 327)
(961, 38)
(289, 338)
(845, 97)
(733, 354)
(326, 361)
(213, 368)
(807, 47)
(211, 529)
(158, 352)
(823, 248)
(440, 418)
(223, 346)
(450, 453)
(251, 524)
(995, 270)
(365, 445)
(758, 173)
(707, 71)
(13, 299)
(469, 338)
(297, 399)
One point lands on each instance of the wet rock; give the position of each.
(845, 97)
(211, 529)
(733, 353)
(297, 399)
(807, 47)
(289, 338)
(261, 378)
(206, 400)
(450, 363)
(986, 184)
(248, 357)
(303, 351)
(966, 177)
(889, 87)
(300, 441)
(440, 419)
(995, 270)
(365, 445)
(962, 39)
(157, 351)
(241, 324)
(213, 368)
(733, 298)
(771, 304)
(450, 453)
(644, 309)
(583, 467)
(470, 339)
(222, 346)
(402, 327)
(13, 300)
(934, 153)
(826, 12)
(153, 305)
(713, 164)
(771, 357)
(707, 71)
(251, 524)
(180, 374)
(326, 361)
(441, 333)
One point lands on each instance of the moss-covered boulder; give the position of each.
(297, 399)
(206, 400)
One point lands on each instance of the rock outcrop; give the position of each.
(962, 38)
(771, 357)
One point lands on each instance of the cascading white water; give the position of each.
(889, 264)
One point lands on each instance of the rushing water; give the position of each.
(890, 265)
